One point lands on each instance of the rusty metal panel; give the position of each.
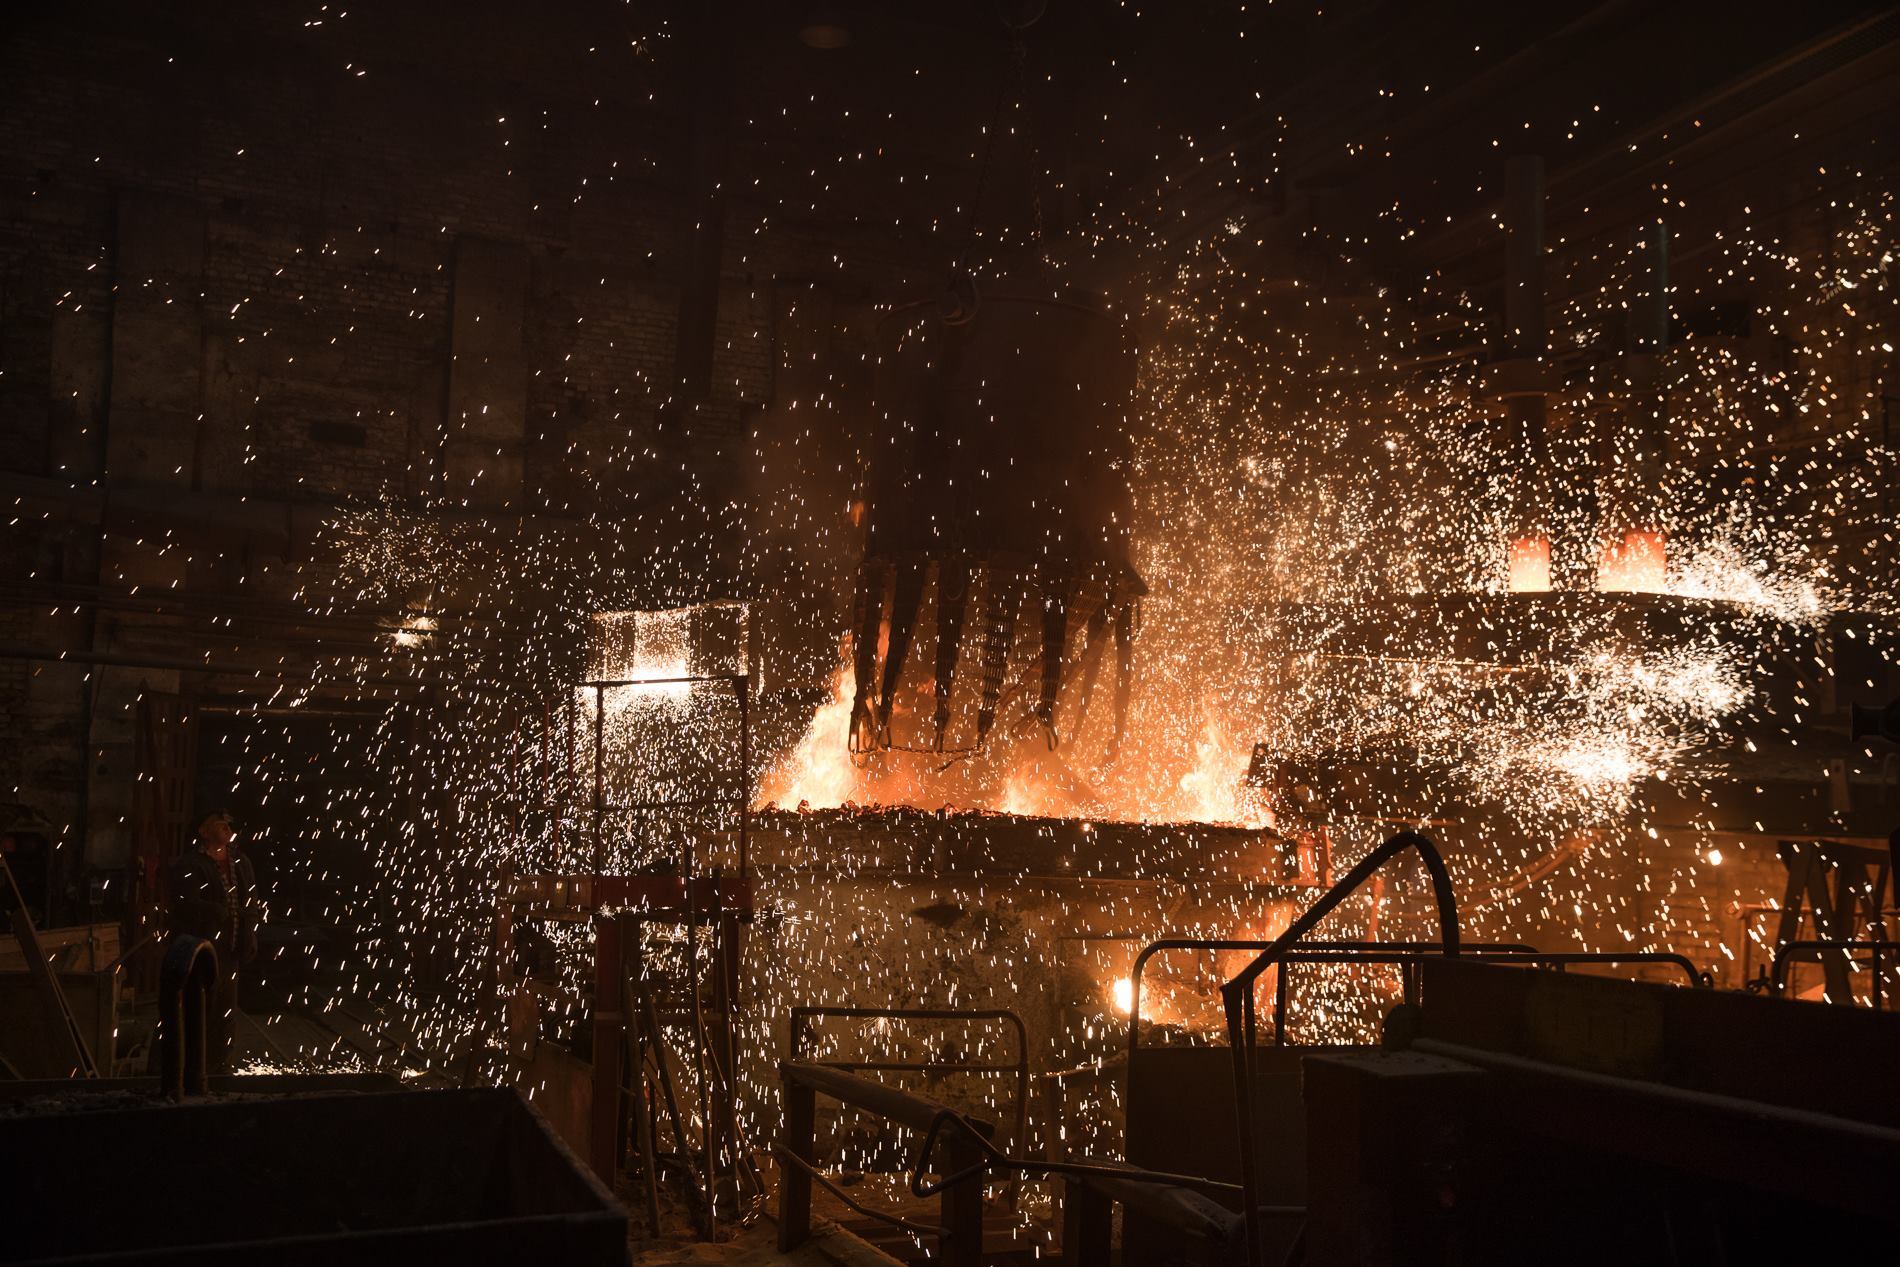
(166, 750)
(560, 1086)
(1776, 1051)
(1181, 1119)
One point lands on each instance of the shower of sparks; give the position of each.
(1316, 467)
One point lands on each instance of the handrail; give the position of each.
(906, 1108)
(825, 1181)
(1020, 1067)
(1560, 959)
(1394, 952)
(969, 1156)
(1442, 897)
(1557, 959)
(1876, 947)
(961, 1226)
(990, 1156)
(1753, 1112)
(1112, 1177)
(1312, 950)
(1237, 996)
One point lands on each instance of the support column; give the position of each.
(485, 431)
(610, 1025)
(794, 1184)
(1522, 380)
(1635, 550)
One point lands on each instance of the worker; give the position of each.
(212, 891)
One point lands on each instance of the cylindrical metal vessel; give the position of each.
(1000, 457)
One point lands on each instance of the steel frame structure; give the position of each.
(626, 1026)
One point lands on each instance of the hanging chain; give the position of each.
(1019, 58)
(983, 175)
(1019, 52)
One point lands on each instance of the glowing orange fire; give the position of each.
(1204, 781)
(1637, 564)
(1530, 565)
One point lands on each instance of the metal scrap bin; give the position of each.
(458, 1176)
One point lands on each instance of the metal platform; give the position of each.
(1596, 1120)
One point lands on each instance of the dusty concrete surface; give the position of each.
(758, 1244)
(841, 1236)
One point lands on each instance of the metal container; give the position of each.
(998, 482)
(411, 1176)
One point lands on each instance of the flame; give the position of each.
(1019, 776)
(1638, 564)
(1215, 790)
(1530, 565)
(818, 773)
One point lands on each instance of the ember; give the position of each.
(856, 600)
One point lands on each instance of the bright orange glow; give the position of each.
(1018, 774)
(1215, 790)
(1638, 564)
(1124, 995)
(1530, 565)
(819, 773)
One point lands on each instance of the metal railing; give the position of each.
(1019, 1067)
(1877, 949)
(960, 1228)
(1288, 949)
(1238, 998)
(969, 1156)
(1401, 952)
(1407, 956)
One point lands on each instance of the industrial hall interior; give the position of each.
(950, 633)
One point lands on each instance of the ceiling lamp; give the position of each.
(824, 28)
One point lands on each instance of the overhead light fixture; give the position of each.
(824, 28)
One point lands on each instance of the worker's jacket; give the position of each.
(204, 905)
